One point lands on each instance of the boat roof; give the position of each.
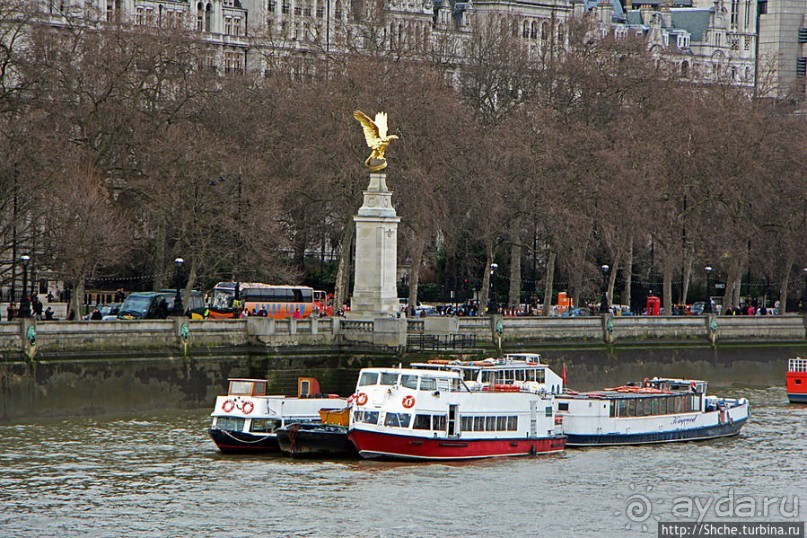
(413, 371)
(508, 361)
(648, 388)
(247, 379)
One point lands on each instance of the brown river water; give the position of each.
(160, 475)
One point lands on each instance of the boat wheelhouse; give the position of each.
(796, 380)
(246, 419)
(432, 414)
(658, 410)
(514, 371)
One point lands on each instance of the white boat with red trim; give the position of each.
(658, 410)
(246, 419)
(432, 414)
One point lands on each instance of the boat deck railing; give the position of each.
(797, 365)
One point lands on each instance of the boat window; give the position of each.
(696, 403)
(389, 378)
(639, 408)
(397, 420)
(655, 406)
(501, 423)
(512, 423)
(367, 417)
(521, 375)
(409, 381)
(439, 422)
(240, 388)
(647, 408)
(467, 423)
(260, 425)
(479, 424)
(487, 376)
(368, 378)
(622, 408)
(230, 423)
(428, 383)
(490, 424)
(423, 422)
(612, 408)
(548, 410)
(470, 374)
(443, 384)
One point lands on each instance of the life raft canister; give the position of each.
(408, 401)
(228, 406)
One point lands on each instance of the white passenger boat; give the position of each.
(513, 371)
(246, 419)
(658, 410)
(432, 414)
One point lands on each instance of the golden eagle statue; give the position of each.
(375, 132)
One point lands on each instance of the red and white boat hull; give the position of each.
(372, 444)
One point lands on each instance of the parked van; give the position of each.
(159, 305)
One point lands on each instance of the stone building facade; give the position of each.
(752, 43)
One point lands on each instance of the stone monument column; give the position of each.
(375, 290)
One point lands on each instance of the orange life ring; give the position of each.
(247, 407)
(361, 399)
(408, 401)
(227, 406)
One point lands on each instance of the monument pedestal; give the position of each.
(375, 290)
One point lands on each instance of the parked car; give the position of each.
(699, 306)
(109, 312)
(576, 312)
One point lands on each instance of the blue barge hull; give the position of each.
(697, 434)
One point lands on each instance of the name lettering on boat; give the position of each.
(684, 420)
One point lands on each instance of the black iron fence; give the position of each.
(436, 342)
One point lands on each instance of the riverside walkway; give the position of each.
(50, 338)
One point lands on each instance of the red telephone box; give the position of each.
(653, 306)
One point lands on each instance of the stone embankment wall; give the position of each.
(43, 339)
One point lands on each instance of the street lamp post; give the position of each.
(25, 301)
(804, 296)
(178, 309)
(604, 306)
(493, 306)
(707, 304)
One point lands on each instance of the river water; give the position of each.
(160, 475)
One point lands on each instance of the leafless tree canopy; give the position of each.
(119, 153)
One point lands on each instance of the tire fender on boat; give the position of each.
(247, 407)
(228, 406)
(408, 401)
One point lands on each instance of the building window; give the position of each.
(200, 17)
(285, 7)
(271, 6)
(228, 25)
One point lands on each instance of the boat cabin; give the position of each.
(247, 387)
(512, 370)
(410, 378)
